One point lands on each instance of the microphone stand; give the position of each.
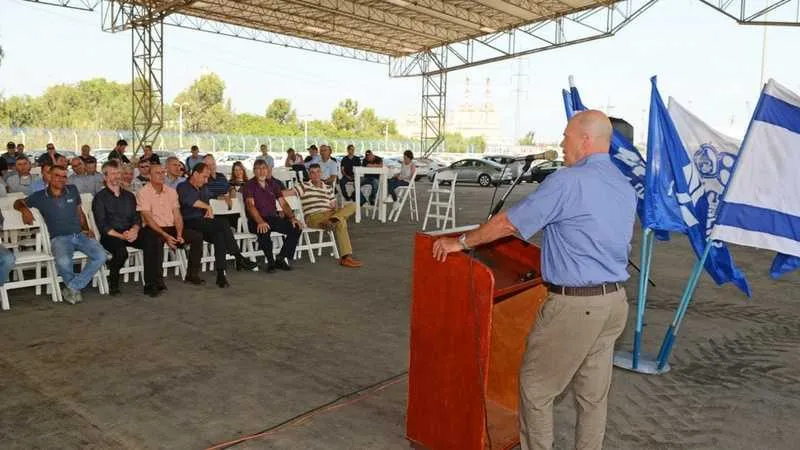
(499, 205)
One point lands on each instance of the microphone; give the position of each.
(549, 155)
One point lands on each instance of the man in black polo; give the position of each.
(347, 163)
(115, 213)
(195, 199)
(149, 156)
(48, 157)
(119, 152)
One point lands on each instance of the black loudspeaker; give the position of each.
(623, 128)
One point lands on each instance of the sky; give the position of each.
(702, 58)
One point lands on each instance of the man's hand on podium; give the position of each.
(444, 246)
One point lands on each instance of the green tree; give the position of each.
(457, 143)
(280, 110)
(19, 112)
(204, 106)
(527, 139)
(345, 116)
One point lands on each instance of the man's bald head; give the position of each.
(588, 132)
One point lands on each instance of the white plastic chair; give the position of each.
(405, 194)
(305, 243)
(442, 198)
(135, 262)
(37, 258)
(7, 201)
(248, 242)
(285, 175)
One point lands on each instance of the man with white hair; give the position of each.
(587, 213)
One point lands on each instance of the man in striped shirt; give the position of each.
(319, 208)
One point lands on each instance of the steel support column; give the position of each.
(434, 102)
(147, 58)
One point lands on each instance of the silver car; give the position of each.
(484, 172)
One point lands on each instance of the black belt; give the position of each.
(584, 291)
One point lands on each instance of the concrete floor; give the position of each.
(201, 366)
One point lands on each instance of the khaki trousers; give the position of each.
(340, 229)
(572, 340)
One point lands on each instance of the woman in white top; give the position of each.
(407, 172)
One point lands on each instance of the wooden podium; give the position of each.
(470, 318)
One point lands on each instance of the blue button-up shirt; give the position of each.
(587, 212)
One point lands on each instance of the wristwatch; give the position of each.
(463, 241)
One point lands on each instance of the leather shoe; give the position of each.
(271, 267)
(283, 265)
(222, 281)
(152, 291)
(194, 279)
(245, 264)
(349, 261)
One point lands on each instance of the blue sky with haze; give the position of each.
(702, 58)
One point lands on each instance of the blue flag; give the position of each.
(676, 198)
(623, 153)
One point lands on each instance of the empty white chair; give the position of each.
(442, 198)
(36, 258)
(285, 175)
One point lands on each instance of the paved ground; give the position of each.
(201, 366)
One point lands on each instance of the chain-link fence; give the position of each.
(71, 139)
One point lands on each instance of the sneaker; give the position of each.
(78, 296)
(66, 295)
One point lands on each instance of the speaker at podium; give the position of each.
(470, 317)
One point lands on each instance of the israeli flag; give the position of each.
(761, 206)
(623, 153)
(689, 165)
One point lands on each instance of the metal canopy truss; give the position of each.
(147, 80)
(434, 103)
(759, 12)
(586, 25)
(83, 5)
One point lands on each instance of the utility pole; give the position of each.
(520, 90)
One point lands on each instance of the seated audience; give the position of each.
(347, 163)
(265, 156)
(313, 156)
(144, 175)
(60, 206)
(295, 161)
(194, 199)
(119, 152)
(126, 174)
(319, 208)
(329, 166)
(218, 185)
(10, 156)
(174, 172)
(86, 151)
(371, 160)
(163, 224)
(7, 258)
(49, 156)
(41, 183)
(407, 173)
(119, 225)
(22, 180)
(238, 176)
(260, 195)
(86, 183)
(149, 156)
(194, 158)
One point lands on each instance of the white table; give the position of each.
(358, 172)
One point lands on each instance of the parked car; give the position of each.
(426, 166)
(541, 171)
(481, 171)
(511, 162)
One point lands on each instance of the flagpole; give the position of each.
(641, 300)
(672, 331)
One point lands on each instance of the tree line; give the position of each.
(102, 104)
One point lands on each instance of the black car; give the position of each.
(543, 170)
